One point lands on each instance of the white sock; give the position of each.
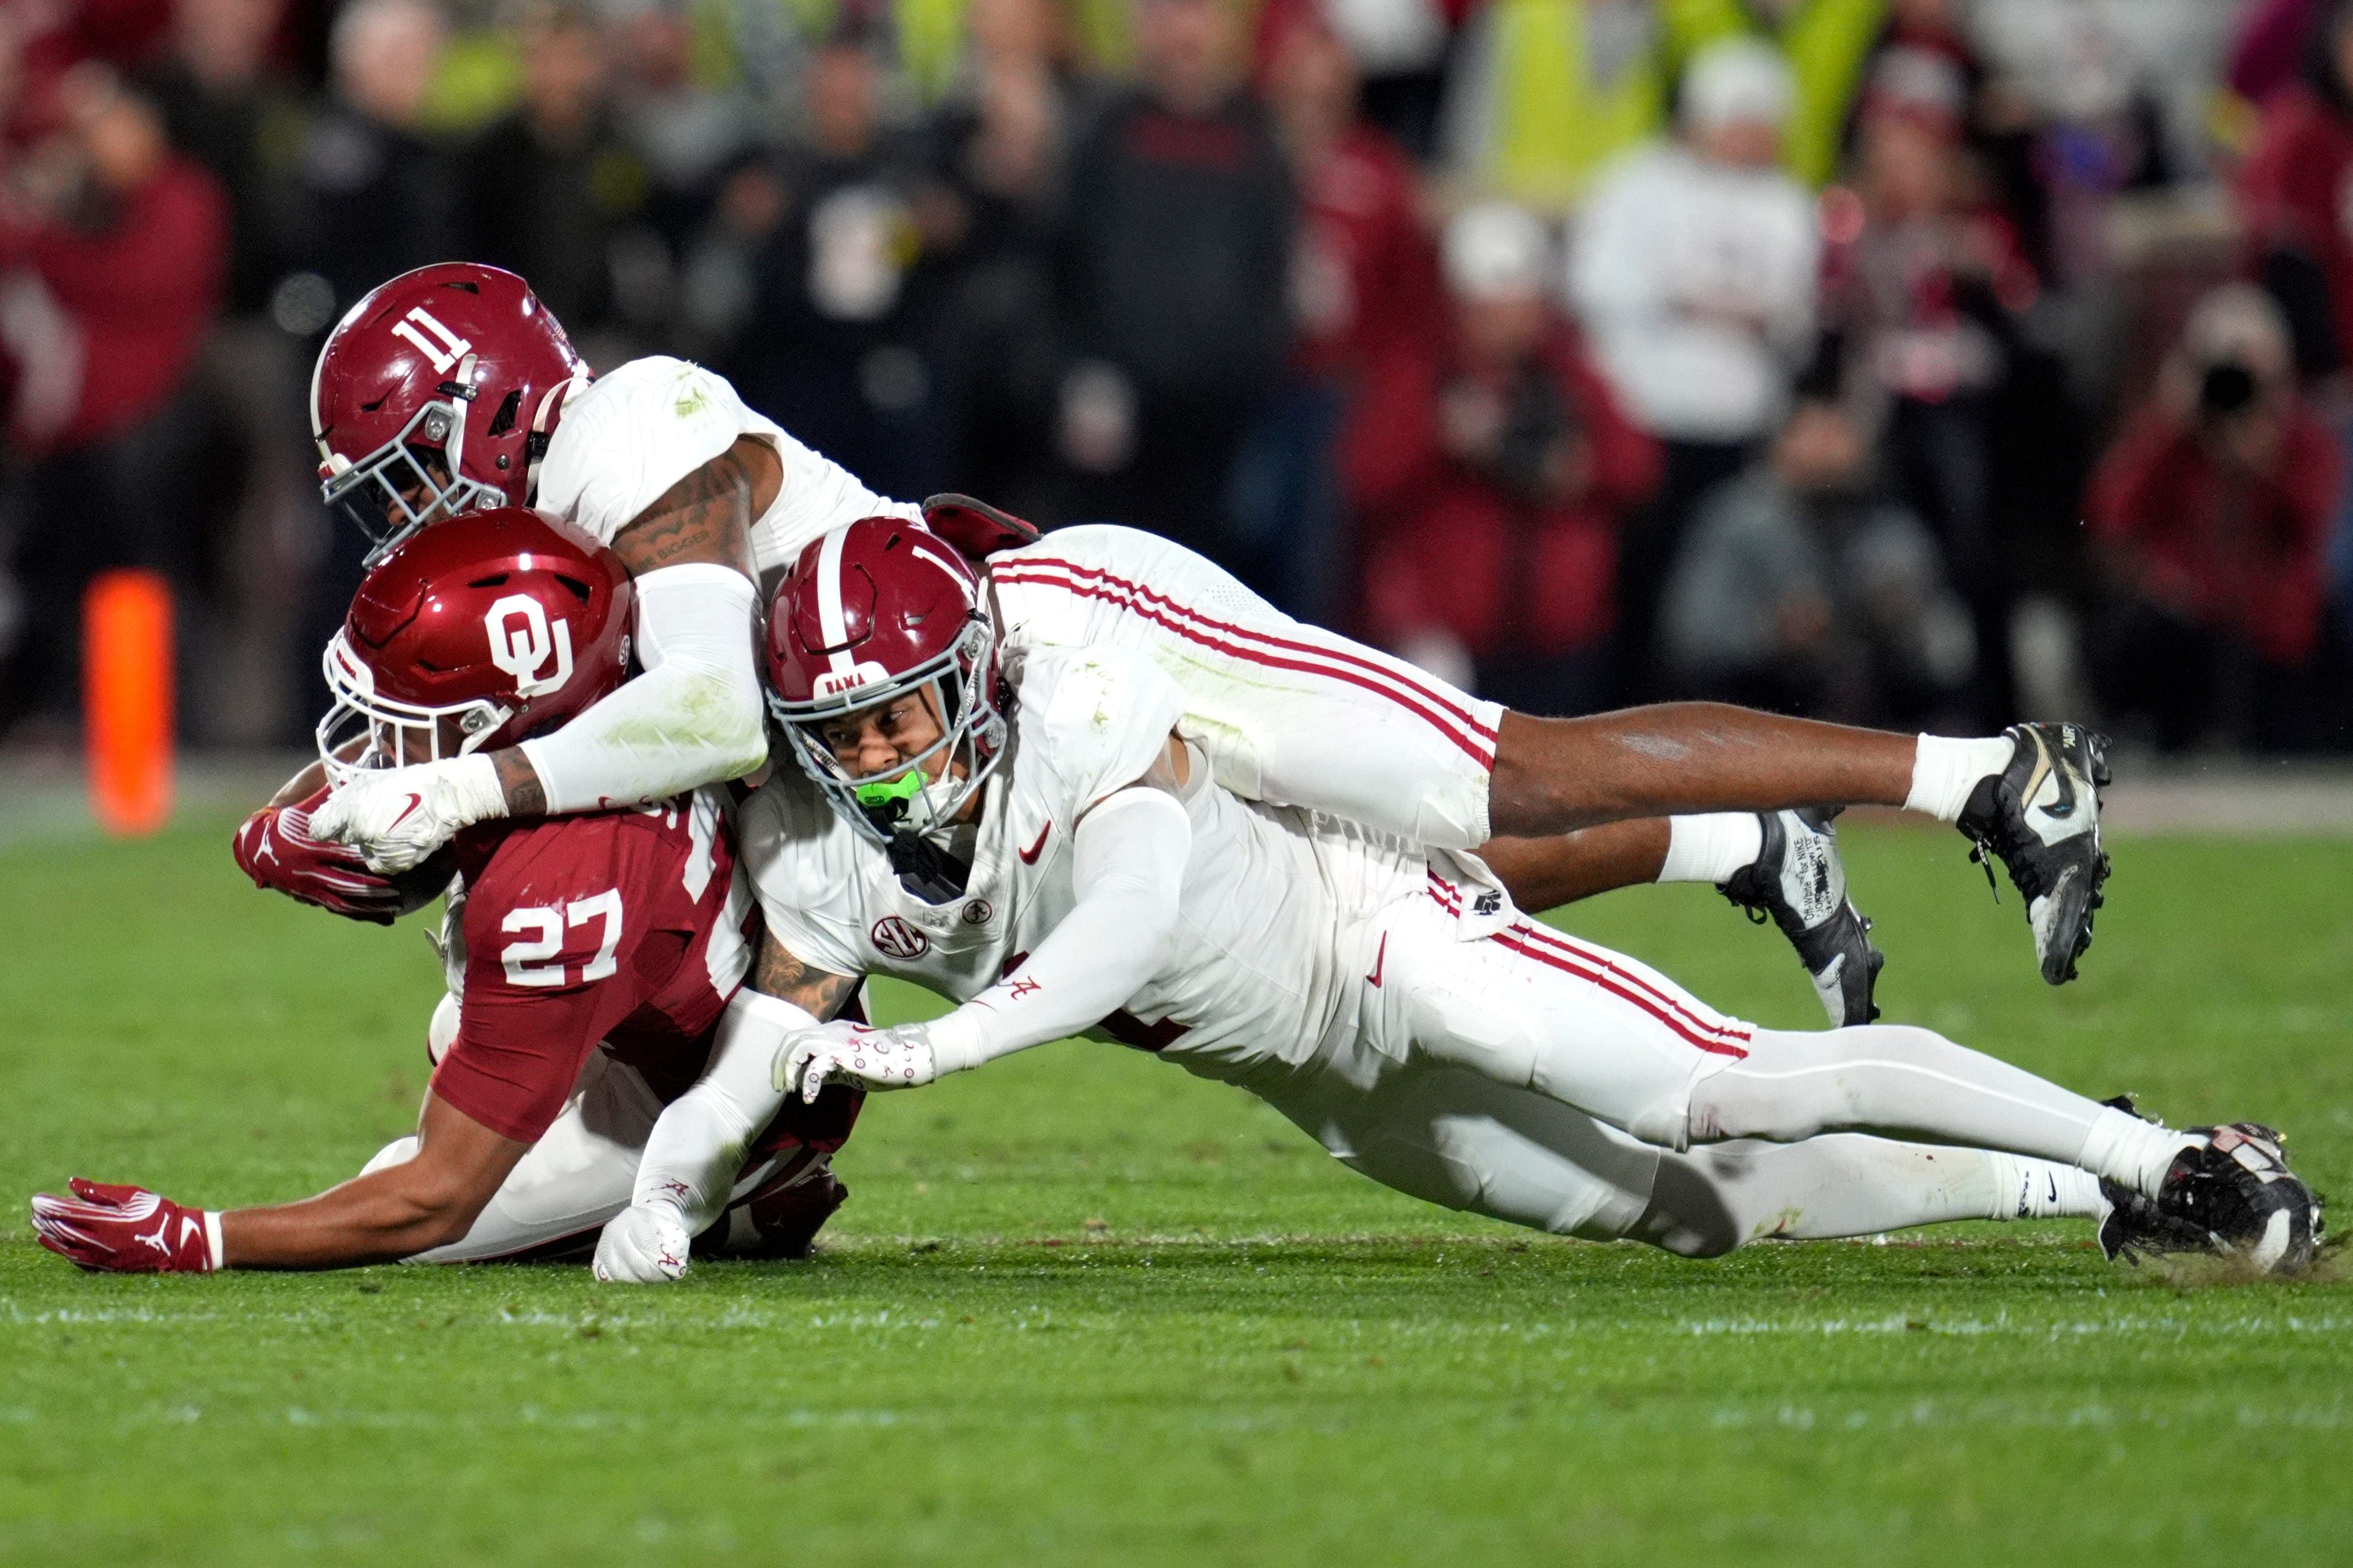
(1710, 849)
(2038, 1189)
(1945, 771)
(2130, 1152)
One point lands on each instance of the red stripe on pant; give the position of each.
(1475, 740)
(1549, 947)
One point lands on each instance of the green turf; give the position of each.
(1083, 1309)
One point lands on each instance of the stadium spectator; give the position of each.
(820, 323)
(2212, 511)
(1543, 94)
(1925, 302)
(1693, 272)
(1363, 273)
(1173, 259)
(2291, 195)
(997, 148)
(231, 105)
(113, 251)
(1494, 472)
(1823, 44)
(373, 197)
(1805, 589)
(553, 190)
(2268, 44)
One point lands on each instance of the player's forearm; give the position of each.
(1131, 855)
(376, 1218)
(693, 718)
(696, 1150)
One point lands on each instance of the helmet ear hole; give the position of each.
(510, 408)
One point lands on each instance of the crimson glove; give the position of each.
(975, 528)
(124, 1230)
(274, 848)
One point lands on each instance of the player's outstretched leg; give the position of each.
(2027, 797)
(1454, 1138)
(1707, 1202)
(2232, 1181)
(1779, 865)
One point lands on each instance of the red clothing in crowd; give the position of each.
(140, 293)
(1448, 548)
(1364, 268)
(2293, 195)
(2229, 549)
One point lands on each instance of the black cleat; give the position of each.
(2040, 815)
(1799, 880)
(2133, 1228)
(2234, 1187)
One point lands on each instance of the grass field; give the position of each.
(1084, 1308)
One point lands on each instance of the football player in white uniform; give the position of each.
(1038, 839)
(450, 387)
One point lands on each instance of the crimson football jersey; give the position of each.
(625, 928)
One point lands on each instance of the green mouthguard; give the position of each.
(898, 790)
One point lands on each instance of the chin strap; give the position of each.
(926, 870)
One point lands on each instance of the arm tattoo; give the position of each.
(706, 517)
(778, 973)
(526, 796)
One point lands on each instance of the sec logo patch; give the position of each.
(894, 937)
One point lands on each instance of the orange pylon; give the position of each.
(126, 628)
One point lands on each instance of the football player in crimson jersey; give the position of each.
(450, 386)
(1030, 831)
(591, 959)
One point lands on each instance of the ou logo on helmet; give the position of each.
(521, 641)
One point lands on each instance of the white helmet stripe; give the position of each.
(831, 624)
(318, 432)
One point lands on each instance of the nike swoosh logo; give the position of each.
(413, 801)
(1030, 856)
(1380, 962)
(189, 1226)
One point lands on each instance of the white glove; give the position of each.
(843, 1052)
(645, 1244)
(398, 817)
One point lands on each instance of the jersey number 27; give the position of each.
(541, 937)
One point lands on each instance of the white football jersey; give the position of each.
(1275, 899)
(640, 428)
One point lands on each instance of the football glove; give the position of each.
(396, 818)
(975, 529)
(276, 850)
(645, 1244)
(844, 1052)
(125, 1230)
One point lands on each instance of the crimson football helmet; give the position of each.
(476, 633)
(870, 611)
(435, 395)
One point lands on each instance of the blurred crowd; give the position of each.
(1917, 363)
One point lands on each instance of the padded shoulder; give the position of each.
(1095, 718)
(637, 431)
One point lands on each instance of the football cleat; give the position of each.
(1798, 882)
(2134, 1229)
(2233, 1187)
(2041, 816)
